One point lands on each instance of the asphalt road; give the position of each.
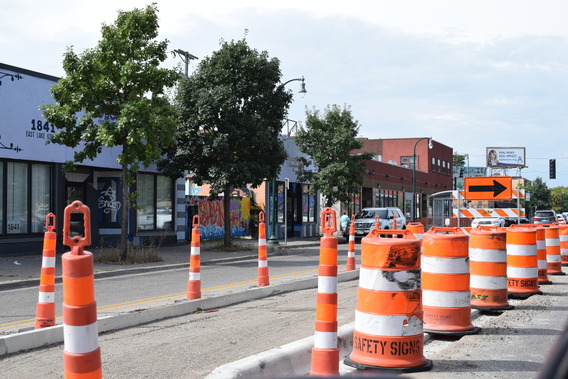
(125, 293)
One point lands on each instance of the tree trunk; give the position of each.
(125, 209)
(227, 216)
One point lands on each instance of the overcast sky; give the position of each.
(471, 74)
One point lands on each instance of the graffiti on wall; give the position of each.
(212, 219)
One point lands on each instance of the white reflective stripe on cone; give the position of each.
(262, 263)
(522, 272)
(195, 250)
(325, 340)
(521, 249)
(445, 299)
(553, 258)
(46, 297)
(351, 238)
(194, 276)
(262, 242)
(488, 282)
(387, 325)
(80, 339)
(350, 254)
(379, 280)
(327, 284)
(439, 265)
(487, 255)
(552, 242)
(48, 262)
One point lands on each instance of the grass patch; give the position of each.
(138, 254)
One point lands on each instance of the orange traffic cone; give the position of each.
(325, 353)
(194, 281)
(263, 278)
(350, 266)
(388, 332)
(488, 269)
(81, 354)
(45, 309)
(522, 262)
(445, 282)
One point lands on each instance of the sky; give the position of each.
(470, 74)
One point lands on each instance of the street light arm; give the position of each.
(414, 175)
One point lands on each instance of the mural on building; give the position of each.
(212, 220)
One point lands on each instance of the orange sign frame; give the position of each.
(488, 188)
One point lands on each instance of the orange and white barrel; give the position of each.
(542, 264)
(416, 228)
(350, 265)
(194, 281)
(45, 308)
(553, 259)
(488, 269)
(564, 244)
(522, 264)
(81, 352)
(325, 353)
(388, 330)
(445, 282)
(263, 278)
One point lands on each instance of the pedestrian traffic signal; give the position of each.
(552, 169)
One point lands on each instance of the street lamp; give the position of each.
(414, 175)
(273, 240)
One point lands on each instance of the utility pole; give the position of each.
(185, 57)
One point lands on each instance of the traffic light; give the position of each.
(552, 169)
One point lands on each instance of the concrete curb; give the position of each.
(294, 358)
(32, 339)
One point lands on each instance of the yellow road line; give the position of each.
(31, 322)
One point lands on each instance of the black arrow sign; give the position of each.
(496, 188)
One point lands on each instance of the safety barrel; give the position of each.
(81, 353)
(522, 263)
(553, 258)
(194, 281)
(416, 228)
(564, 244)
(445, 282)
(263, 278)
(45, 308)
(350, 265)
(488, 268)
(542, 264)
(388, 330)
(325, 353)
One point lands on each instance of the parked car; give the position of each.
(565, 214)
(544, 217)
(488, 221)
(560, 218)
(365, 220)
(516, 220)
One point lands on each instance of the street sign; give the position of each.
(488, 188)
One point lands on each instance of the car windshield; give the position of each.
(372, 213)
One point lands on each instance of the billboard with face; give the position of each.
(505, 157)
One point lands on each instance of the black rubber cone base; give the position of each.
(556, 273)
(494, 309)
(359, 366)
(547, 282)
(456, 333)
(513, 295)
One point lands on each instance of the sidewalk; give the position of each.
(24, 271)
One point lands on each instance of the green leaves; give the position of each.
(328, 140)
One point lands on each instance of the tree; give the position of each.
(558, 199)
(327, 141)
(231, 110)
(459, 159)
(539, 195)
(113, 95)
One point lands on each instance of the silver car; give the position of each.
(366, 218)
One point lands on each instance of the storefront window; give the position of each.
(164, 204)
(109, 201)
(17, 198)
(145, 189)
(155, 202)
(41, 200)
